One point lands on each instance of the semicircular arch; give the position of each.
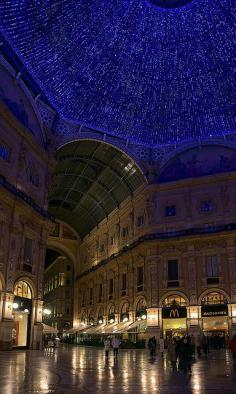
(173, 293)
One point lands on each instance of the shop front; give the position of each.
(214, 311)
(174, 317)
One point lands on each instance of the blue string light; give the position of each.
(129, 67)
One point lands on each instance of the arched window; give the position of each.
(125, 309)
(214, 298)
(174, 300)
(141, 305)
(111, 310)
(22, 289)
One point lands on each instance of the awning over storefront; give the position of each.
(121, 327)
(74, 330)
(137, 326)
(49, 329)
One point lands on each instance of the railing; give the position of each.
(23, 196)
(160, 236)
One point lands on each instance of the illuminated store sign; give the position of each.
(174, 312)
(214, 310)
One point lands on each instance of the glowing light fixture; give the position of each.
(47, 312)
(15, 305)
(144, 317)
(111, 321)
(125, 319)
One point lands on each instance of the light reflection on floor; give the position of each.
(78, 370)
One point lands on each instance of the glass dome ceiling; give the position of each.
(151, 74)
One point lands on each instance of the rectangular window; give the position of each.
(173, 273)
(123, 284)
(140, 279)
(170, 210)
(91, 295)
(111, 288)
(34, 178)
(206, 206)
(28, 257)
(112, 240)
(102, 248)
(83, 299)
(212, 269)
(4, 152)
(125, 232)
(140, 221)
(100, 293)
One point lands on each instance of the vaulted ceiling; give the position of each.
(91, 180)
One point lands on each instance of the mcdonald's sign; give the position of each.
(174, 312)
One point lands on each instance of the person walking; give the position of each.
(107, 346)
(199, 345)
(152, 346)
(115, 344)
(172, 353)
(161, 347)
(205, 346)
(233, 348)
(185, 355)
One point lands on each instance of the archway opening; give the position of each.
(22, 313)
(58, 291)
(174, 316)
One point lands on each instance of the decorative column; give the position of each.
(37, 326)
(7, 323)
(153, 313)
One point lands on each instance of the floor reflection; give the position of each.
(82, 370)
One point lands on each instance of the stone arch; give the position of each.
(58, 246)
(18, 99)
(188, 162)
(123, 148)
(122, 304)
(213, 290)
(138, 299)
(29, 282)
(99, 312)
(173, 292)
(111, 309)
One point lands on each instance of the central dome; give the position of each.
(129, 68)
(170, 3)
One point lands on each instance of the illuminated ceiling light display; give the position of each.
(170, 3)
(133, 69)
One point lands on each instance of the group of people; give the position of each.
(112, 343)
(178, 349)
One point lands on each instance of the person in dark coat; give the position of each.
(152, 343)
(185, 356)
(233, 347)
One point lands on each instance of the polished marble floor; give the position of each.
(71, 369)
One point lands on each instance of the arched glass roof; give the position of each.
(91, 179)
(132, 68)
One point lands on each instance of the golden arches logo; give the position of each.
(174, 313)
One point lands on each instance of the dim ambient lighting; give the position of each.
(15, 305)
(47, 311)
(144, 317)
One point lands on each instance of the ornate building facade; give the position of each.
(167, 256)
(25, 168)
